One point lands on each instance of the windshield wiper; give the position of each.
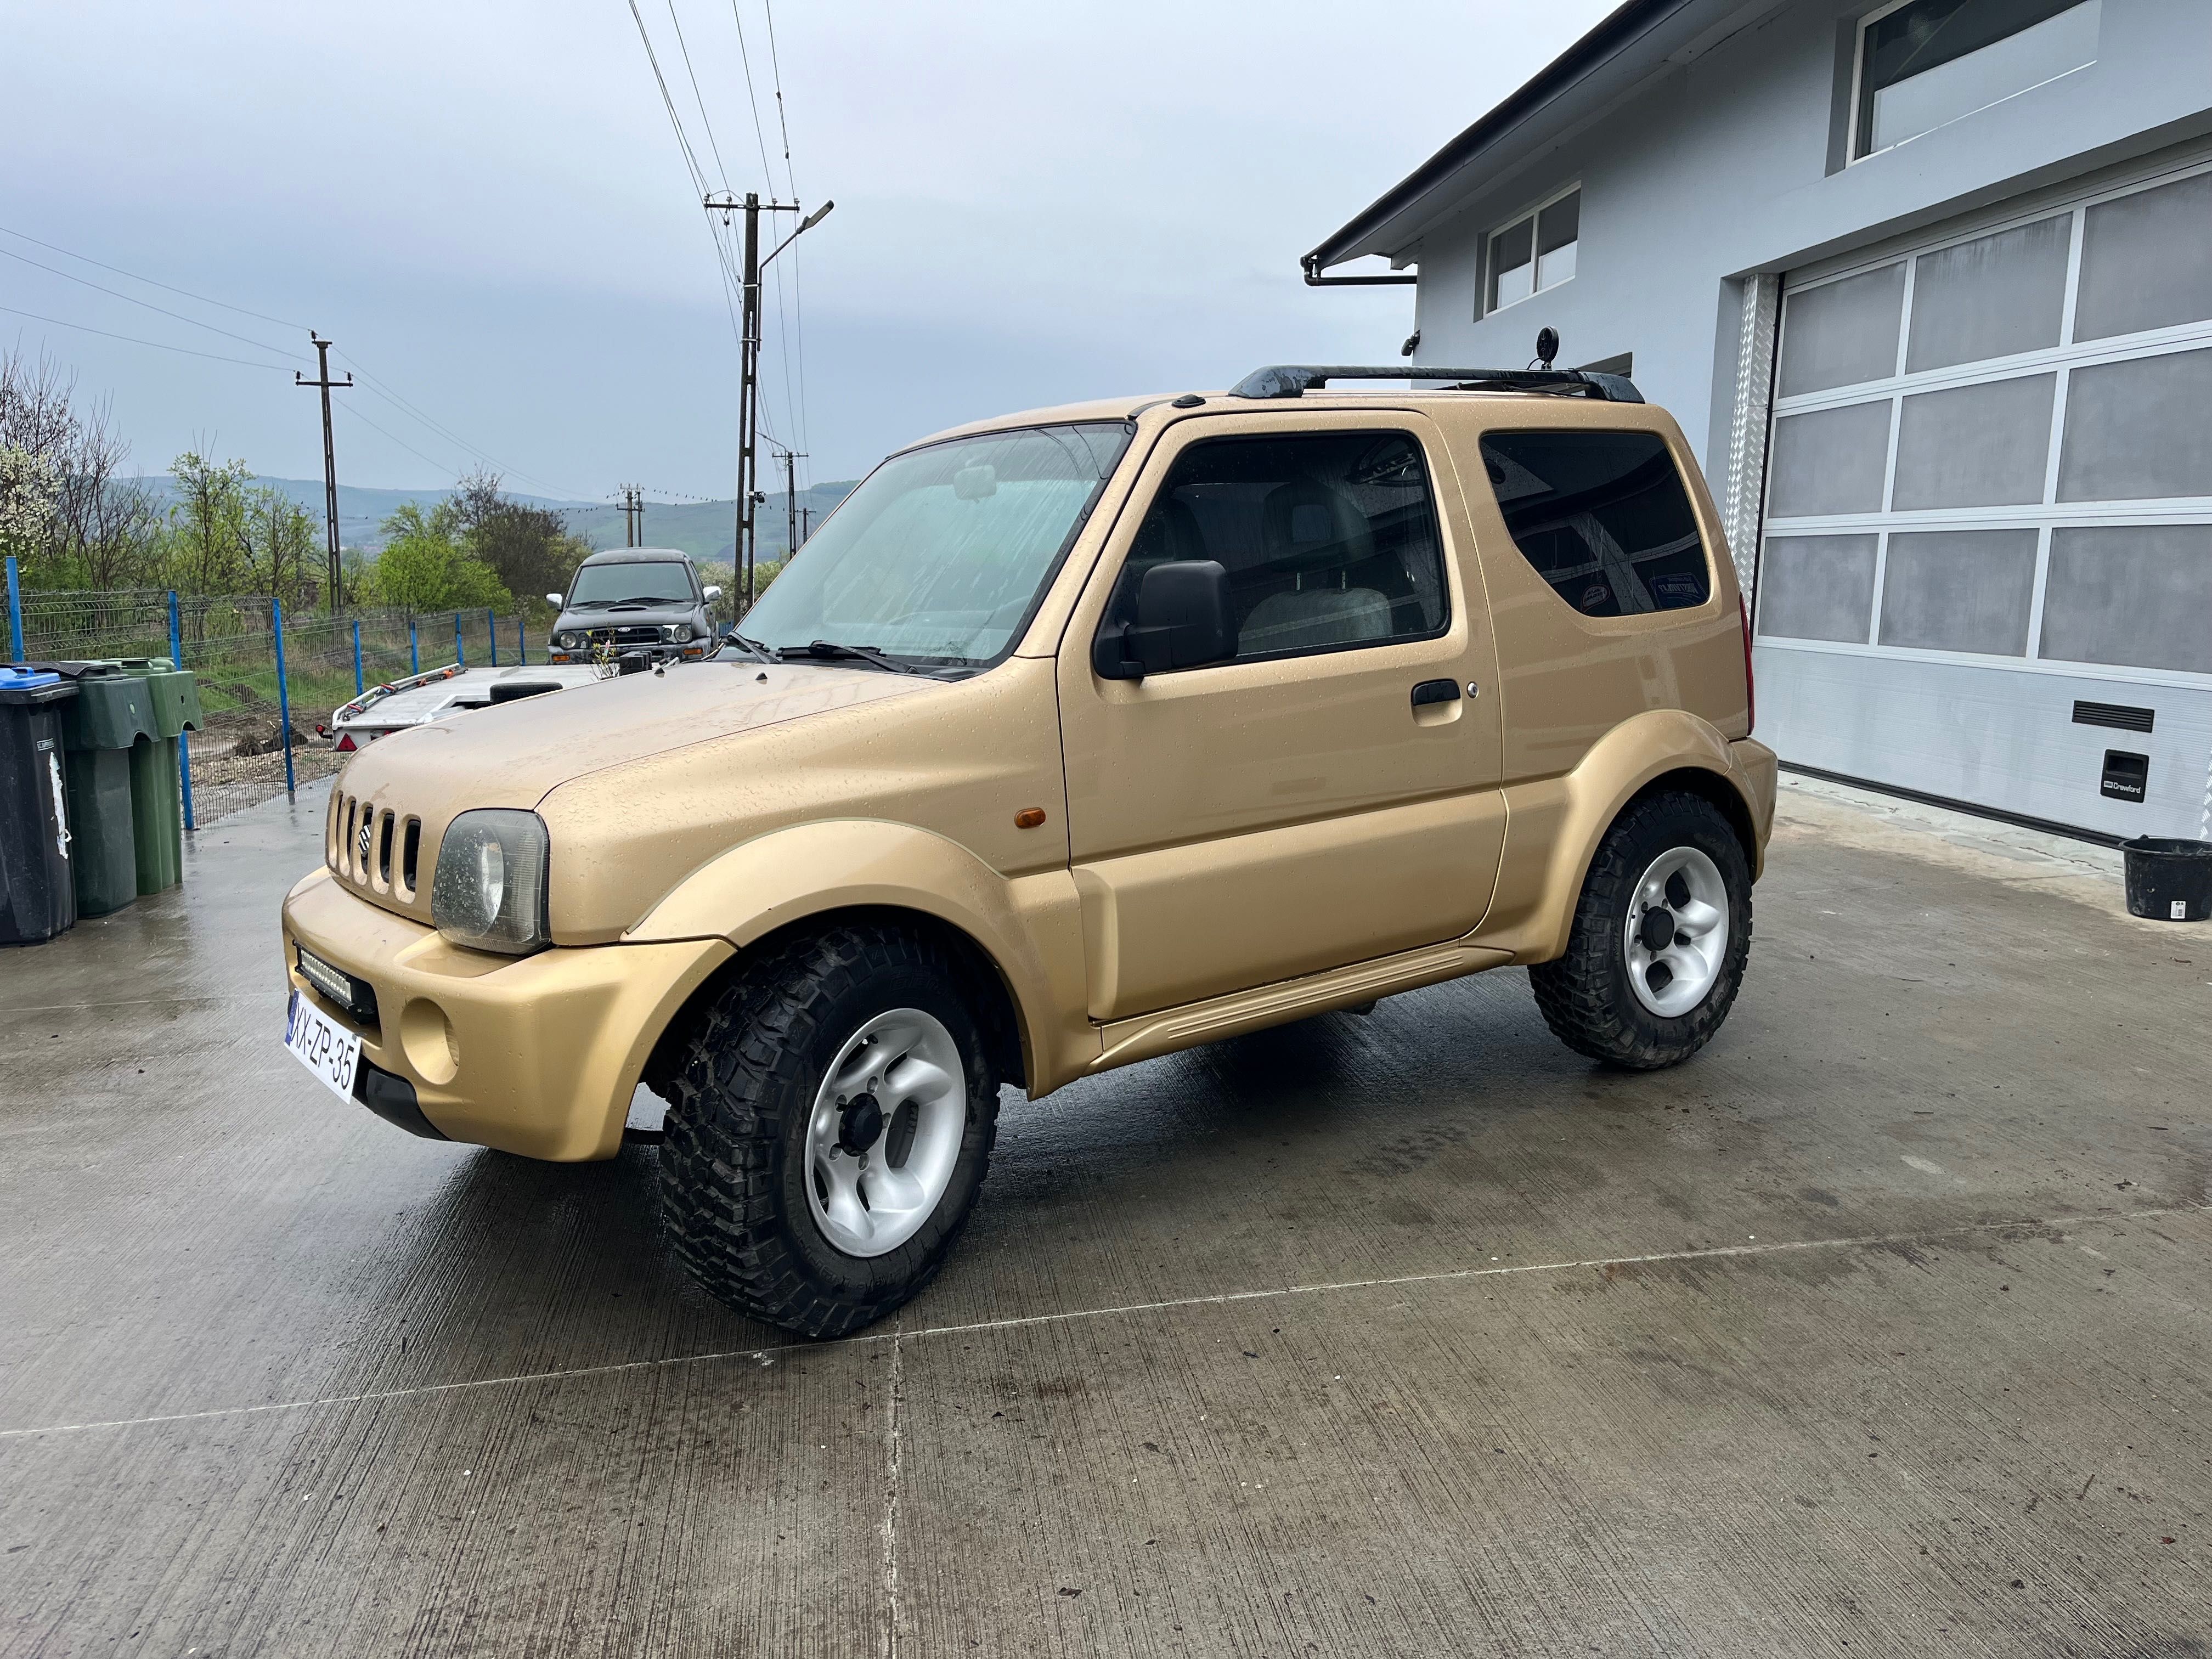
(867, 653)
(765, 652)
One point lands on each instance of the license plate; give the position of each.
(322, 1045)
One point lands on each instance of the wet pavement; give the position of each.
(1881, 1327)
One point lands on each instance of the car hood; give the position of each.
(514, 754)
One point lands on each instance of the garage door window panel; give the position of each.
(1959, 590)
(2135, 596)
(1974, 446)
(1817, 587)
(2136, 430)
(1841, 333)
(1829, 461)
(1330, 540)
(2147, 261)
(1994, 297)
(1603, 517)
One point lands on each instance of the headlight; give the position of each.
(570, 641)
(676, 633)
(489, 891)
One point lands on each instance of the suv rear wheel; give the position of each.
(1660, 938)
(831, 1113)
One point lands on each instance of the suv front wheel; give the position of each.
(1660, 938)
(830, 1116)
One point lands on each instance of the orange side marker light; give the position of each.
(1028, 818)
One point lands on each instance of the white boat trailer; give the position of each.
(442, 692)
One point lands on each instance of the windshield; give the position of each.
(940, 552)
(661, 581)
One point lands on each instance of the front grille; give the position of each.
(622, 636)
(361, 840)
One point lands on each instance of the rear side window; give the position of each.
(1330, 539)
(1602, 516)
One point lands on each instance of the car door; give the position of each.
(1296, 808)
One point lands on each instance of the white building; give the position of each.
(1930, 283)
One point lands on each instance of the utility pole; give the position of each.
(323, 381)
(791, 460)
(633, 512)
(806, 526)
(749, 344)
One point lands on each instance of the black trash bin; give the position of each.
(38, 891)
(110, 713)
(2169, 880)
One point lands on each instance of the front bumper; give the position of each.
(537, 1055)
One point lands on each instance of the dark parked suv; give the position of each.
(634, 599)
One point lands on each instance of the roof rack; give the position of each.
(1295, 380)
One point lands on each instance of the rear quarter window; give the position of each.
(1602, 516)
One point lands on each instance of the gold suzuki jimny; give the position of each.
(1072, 739)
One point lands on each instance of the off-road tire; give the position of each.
(1585, 994)
(740, 1081)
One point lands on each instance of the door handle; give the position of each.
(1431, 691)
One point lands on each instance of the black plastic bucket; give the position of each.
(2169, 880)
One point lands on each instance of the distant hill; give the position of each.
(705, 530)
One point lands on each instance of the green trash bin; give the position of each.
(157, 811)
(109, 721)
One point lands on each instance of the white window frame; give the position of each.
(1483, 308)
(2045, 516)
(1858, 85)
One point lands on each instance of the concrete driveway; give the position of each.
(1881, 1327)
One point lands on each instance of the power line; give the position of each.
(705, 120)
(767, 172)
(745, 56)
(391, 395)
(691, 161)
(347, 409)
(791, 177)
(51, 247)
(160, 345)
(722, 256)
(776, 68)
(381, 389)
(132, 298)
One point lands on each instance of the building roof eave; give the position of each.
(1390, 222)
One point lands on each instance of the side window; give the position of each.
(1602, 516)
(1330, 539)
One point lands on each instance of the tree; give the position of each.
(276, 535)
(94, 528)
(109, 527)
(208, 537)
(530, 549)
(29, 482)
(424, 567)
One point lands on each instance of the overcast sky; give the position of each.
(485, 205)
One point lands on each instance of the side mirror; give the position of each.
(553, 600)
(713, 593)
(1183, 621)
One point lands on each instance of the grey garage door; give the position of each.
(1985, 569)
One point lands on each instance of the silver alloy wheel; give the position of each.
(1677, 934)
(885, 1132)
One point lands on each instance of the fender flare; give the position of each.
(1028, 927)
(1554, 825)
